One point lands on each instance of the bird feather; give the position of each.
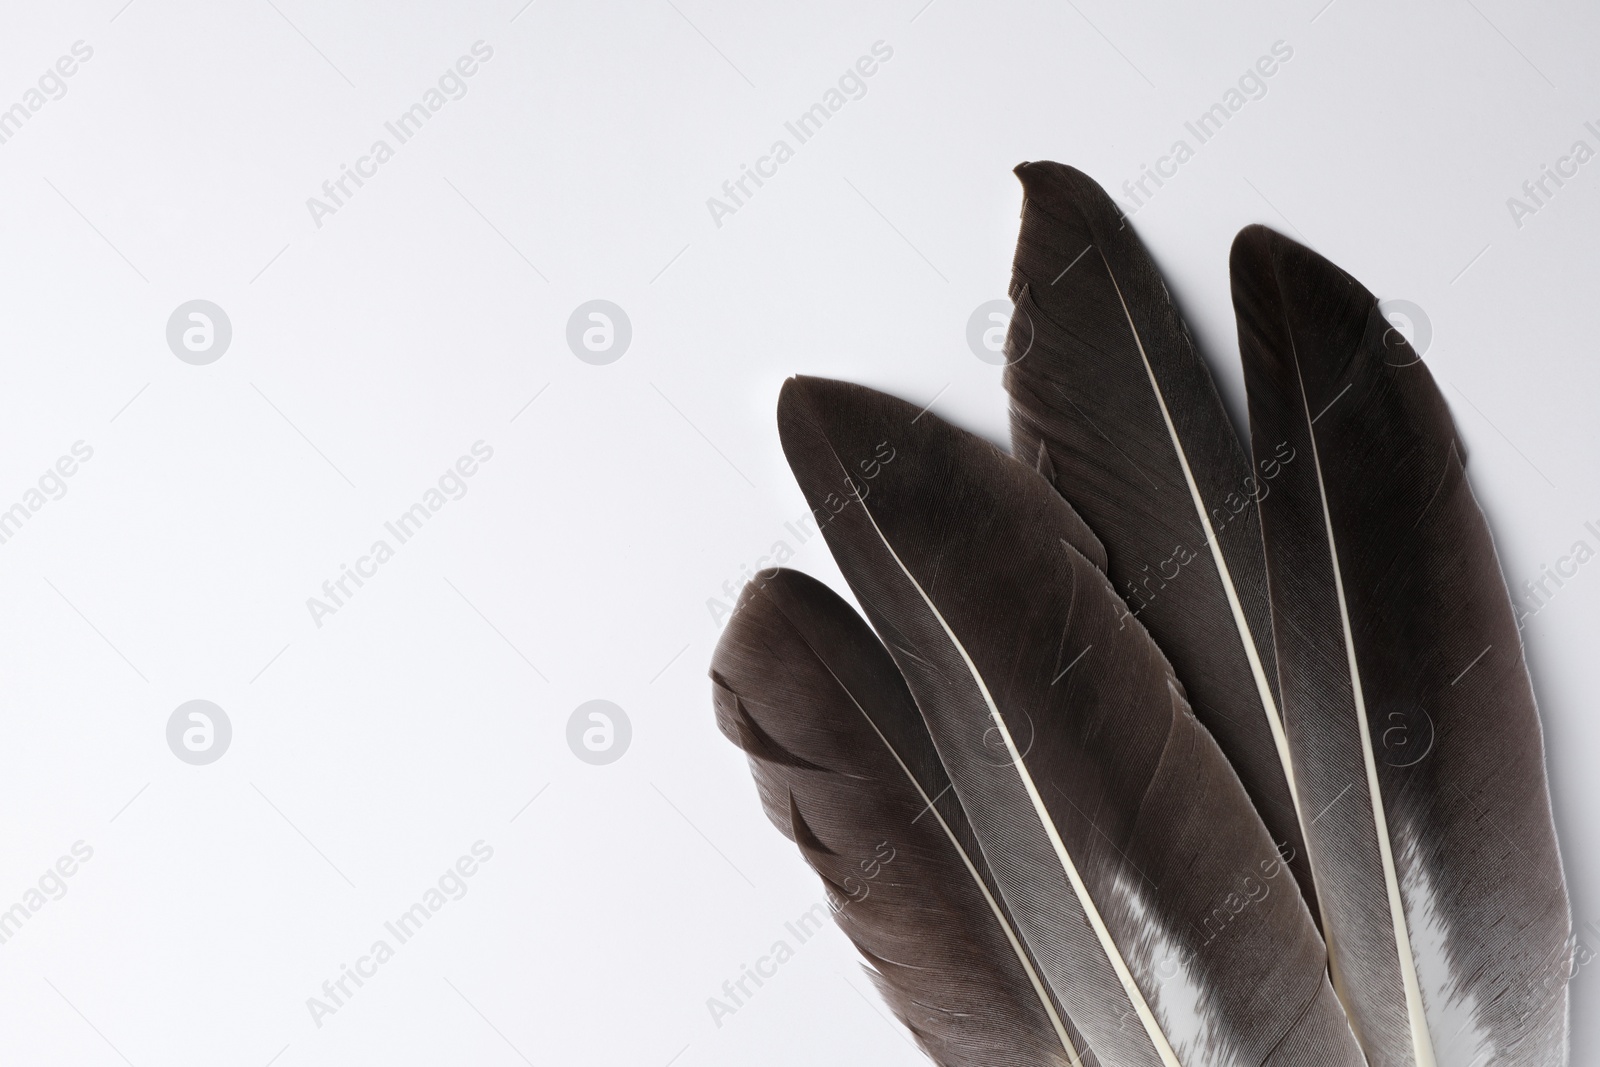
(1406, 698)
(1140, 877)
(846, 769)
(1110, 399)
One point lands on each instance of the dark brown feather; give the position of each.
(1113, 404)
(1407, 700)
(1143, 881)
(847, 771)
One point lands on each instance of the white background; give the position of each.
(369, 353)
